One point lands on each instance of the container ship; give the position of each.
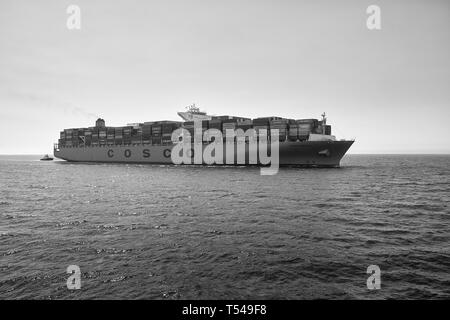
(302, 142)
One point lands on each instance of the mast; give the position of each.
(324, 122)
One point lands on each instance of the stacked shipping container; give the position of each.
(282, 126)
(167, 129)
(262, 126)
(158, 133)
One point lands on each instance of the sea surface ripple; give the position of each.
(175, 232)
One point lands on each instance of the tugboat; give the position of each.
(46, 158)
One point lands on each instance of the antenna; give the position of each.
(324, 122)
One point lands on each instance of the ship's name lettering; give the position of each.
(145, 153)
(167, 153)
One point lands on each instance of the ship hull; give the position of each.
(307, 153)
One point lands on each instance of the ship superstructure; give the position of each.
(193, 113)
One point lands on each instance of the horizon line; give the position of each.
(423, 154)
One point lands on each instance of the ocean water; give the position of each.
(173, 232)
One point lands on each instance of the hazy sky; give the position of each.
(136, 61)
